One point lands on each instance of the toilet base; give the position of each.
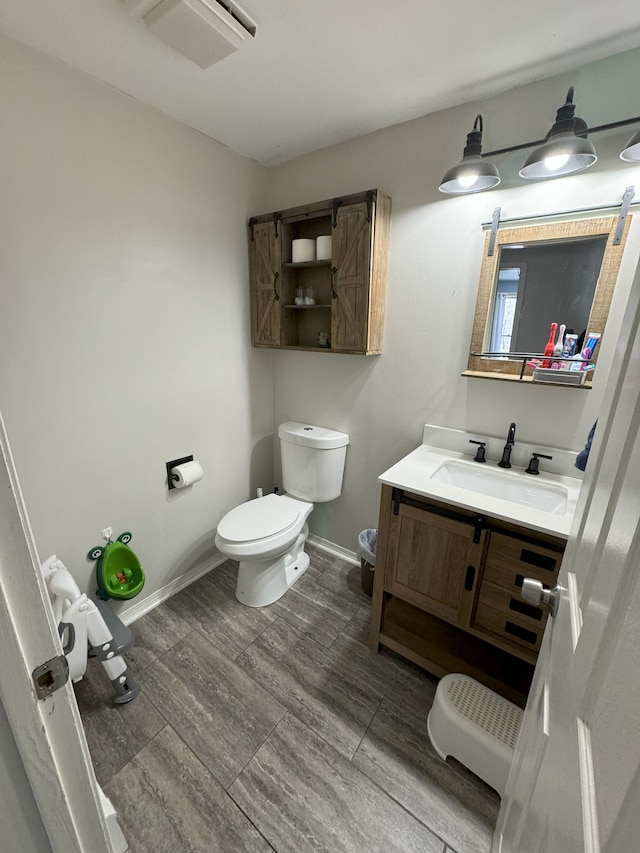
(262, 583)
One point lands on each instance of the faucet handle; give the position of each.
(534, 463)
(480, 452)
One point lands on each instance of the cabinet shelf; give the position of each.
(308, 348)
(307, 307)
(300, 265)
(441, 648)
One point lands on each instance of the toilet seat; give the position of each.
(260, 518)
(263, 528)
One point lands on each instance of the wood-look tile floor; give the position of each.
(276, 729)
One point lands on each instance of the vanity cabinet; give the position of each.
(447, 591)
(348, 289)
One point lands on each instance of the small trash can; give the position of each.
(367, 544)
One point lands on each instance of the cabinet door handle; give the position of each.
(276, 276)
(334, 273)
(468, 581)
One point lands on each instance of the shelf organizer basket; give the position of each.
(475, 726)
(559, 377)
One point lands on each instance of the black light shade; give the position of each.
(472, 174)
(564, 152)
(631, 151)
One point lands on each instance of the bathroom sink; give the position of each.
(509, 485)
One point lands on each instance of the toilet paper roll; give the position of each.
(186, 474)
(303, 250)
(323, 248)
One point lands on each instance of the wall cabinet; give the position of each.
(348, 288)
(447, 591)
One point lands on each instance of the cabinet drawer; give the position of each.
(501, 612)
(509, 560)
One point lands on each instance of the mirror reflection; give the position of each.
(538, 284)
(553, 272)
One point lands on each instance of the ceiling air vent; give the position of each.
(205, 31)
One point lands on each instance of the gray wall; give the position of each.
(435, 257)
(124, 329)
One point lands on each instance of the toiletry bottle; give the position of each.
(548, 350)
(569, 347)
(588, 351)
(557, 350)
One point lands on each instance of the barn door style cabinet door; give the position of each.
(331, 303)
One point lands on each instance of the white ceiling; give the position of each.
(324, 71)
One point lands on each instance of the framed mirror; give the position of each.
(562, 272)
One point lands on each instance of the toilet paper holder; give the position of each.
(171, 478)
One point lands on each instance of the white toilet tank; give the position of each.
(312, 461)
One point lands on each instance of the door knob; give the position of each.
(534, 592)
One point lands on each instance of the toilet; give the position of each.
(267, 535)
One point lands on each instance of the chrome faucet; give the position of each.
(506, 452)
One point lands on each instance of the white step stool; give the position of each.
(475, 726)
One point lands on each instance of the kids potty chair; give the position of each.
(88, 628)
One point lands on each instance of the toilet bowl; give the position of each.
(267, 535)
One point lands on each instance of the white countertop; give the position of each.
(413, 473)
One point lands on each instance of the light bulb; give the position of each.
(467, 181)
(557, 161)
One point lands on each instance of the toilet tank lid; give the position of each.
(312, 436)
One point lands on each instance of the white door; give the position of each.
(48, 732)
(574, 785)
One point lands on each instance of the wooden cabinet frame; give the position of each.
(349, 289)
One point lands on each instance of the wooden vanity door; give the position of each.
(434, 562)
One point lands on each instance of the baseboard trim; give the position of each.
(332, 548)
(152, 601)
(139, 609)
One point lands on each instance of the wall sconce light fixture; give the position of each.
(564, 151)
(472, 174)
(631, 152)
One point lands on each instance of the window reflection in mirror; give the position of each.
(556, 272)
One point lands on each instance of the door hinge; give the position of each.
(336, 204)
(478, 528)
(627, 198)
(495, 223)
(50, 676)
(371, 195)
